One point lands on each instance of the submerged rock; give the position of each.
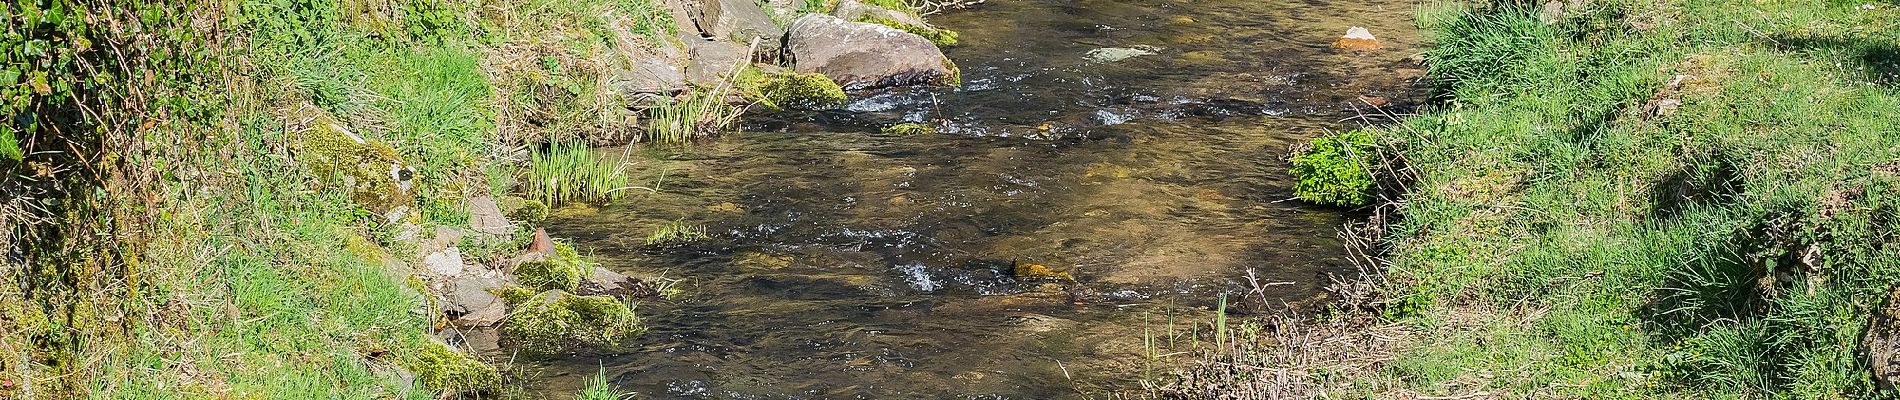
(1357, 38)
(861, 55)
(1112, 54)
(1026, 270)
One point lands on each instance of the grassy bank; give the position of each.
(1644, 199)
(173, 229)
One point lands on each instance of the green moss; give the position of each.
(910, 128)
(798, 90)
(1333, 171)
(445, 370)
(375, 175)
(563, 271)
(552, 320)
(526, 211)
(938, 36)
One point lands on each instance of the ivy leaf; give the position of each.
(39, 83)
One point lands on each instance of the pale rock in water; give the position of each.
(1357, 38)
(861, 55)
(1112, 54)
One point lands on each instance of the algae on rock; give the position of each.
(561, 271)
(798, 90)
(375, 175)
(549, 321)
(448, 371)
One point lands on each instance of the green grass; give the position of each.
(574, 172)
(1680, 199)
(676, 232)
(597, 388)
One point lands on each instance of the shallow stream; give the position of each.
(1137, 145)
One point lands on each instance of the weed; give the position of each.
(597, 388)
(1335, 170)
(676, 232)
(574, 172)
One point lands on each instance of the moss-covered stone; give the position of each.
(938, 36)
(909, 128)
(800, 90)
(554, 319)
(1025, 270)
(523, 210)
(375, 175)
(563, 271)
(445, 370)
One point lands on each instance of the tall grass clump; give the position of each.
(703, 113)
(574, 172)
(597, 388)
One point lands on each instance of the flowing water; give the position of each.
(1137, 145)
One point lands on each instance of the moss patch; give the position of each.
(373, 172)
(909, 128)
(1024, 270)
(938, 36)
(563, 271)
(796, 90)
(446, 370)
(527, 211)
(550, 321)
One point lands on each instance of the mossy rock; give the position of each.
(523, 210)
(445, 370)
(375, 175)
(554, 319)
(1334, 170)
(938, 36)
(1025, 270)
(563, 271)
(909, 128)
(809, 90)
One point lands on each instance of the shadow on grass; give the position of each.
(1880, 60)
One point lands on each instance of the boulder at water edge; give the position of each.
(740, 21)
(862, 55)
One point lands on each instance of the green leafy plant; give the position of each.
(1334, 170)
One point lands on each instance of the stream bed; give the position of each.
(1138, 146)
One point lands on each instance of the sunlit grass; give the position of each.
(575, 172)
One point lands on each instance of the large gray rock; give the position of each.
(484, 216)
(862, 55)
(854, 10)
(713, 60)
(650, 77)
(740, 21)
(470, 294)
